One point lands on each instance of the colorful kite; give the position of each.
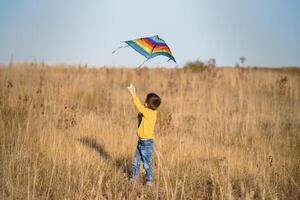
(150, 47)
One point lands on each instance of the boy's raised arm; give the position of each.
(136, 100)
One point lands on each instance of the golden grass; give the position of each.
(69, 133)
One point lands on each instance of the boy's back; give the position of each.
(147, 124)
(145, 145)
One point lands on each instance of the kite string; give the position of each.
(159, 63)
(142, 63)
(156, 63)
(119, 48)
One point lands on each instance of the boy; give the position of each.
(147, 118)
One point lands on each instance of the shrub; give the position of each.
(196, 66)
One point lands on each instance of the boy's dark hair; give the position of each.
(153, 101)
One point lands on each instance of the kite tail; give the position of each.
(142, 63)
(119, 48)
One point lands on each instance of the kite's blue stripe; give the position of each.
(138, 48)
(163, 54)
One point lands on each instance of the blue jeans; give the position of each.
(143, 152)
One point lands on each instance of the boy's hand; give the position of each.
(131, 89)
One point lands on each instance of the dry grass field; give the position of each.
(224, 133)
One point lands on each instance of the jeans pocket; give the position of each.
(149, 147)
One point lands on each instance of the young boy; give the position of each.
(147, 118)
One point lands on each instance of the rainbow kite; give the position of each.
(150, 47)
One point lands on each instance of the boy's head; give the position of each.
(152, 101)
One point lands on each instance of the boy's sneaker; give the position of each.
(149, 183)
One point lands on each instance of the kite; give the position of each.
(149, 47)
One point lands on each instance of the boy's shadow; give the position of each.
(121, 163)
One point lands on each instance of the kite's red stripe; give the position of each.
(161, 46)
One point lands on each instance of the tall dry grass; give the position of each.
(70, 133)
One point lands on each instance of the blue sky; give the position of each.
(266, 32)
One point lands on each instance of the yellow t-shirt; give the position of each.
(146, 128)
